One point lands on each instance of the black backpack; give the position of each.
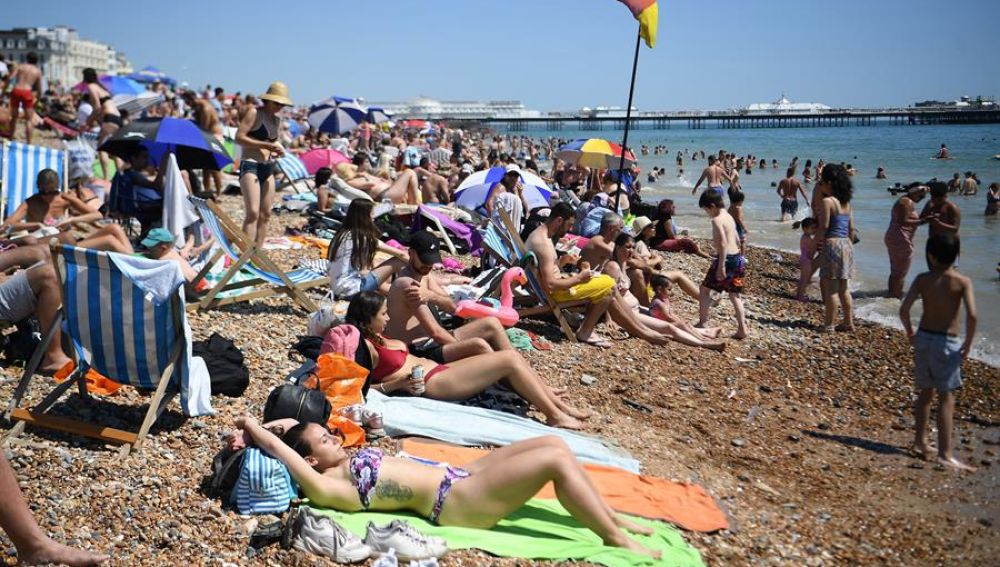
(229, 375)
(225, 472)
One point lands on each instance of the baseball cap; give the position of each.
(427, 246)
(157, 236)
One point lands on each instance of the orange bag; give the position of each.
(96, 383)
(341, 380)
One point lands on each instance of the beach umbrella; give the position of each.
(322, 157)
(336, 115)
(377, 115)
(114, 85)
(194, 148)
(134, 104)
(595, 152)
(477, 188)
(294, 128)
(151, 74)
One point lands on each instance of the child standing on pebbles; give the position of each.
(729, 266)
(937, 351)
(807, 257)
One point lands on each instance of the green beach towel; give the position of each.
(541, 529)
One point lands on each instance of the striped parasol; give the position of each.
(336, 115)
(595, 152)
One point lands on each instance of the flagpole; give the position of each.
(628, 115)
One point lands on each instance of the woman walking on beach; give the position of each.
(899, 237)
(258, 137)
(836, 230)
(104, 112)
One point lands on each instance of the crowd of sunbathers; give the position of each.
(578, 247)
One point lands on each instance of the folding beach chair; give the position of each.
(295, 172)
(119, 329)
(245, 255)
(433, 224)
(528, 262)
(21, 164)
(499, 246)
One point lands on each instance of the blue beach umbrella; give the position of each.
(121, 85)
(377, 115)
(151, 74)
(477, 188)
(194, 148)
(336, 115)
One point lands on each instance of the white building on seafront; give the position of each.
(428, 108)
(62, 53)
(785, 106)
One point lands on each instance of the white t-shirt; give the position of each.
(345, 281)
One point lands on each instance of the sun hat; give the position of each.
(277, 92)
(157, 236)
(640, 224)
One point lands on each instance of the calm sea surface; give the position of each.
(904, 151)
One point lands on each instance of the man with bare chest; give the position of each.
(27, 86)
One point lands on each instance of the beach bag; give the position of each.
(80, 155)
(305, 405)
(225, 472)
(264, 485)
(227, 371)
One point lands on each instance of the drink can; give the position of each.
(417, 375)
(353, 413)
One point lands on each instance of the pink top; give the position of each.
(659, 308)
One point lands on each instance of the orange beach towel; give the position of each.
(687, 506)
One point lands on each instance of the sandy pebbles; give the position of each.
(799, 434)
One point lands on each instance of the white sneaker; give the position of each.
(406, 540)
(318, 534)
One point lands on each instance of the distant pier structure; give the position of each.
(740, 119)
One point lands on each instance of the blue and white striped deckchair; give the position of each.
(294, 170)
(498, 245)
(121, 330)
(245, 255)
(21, 164)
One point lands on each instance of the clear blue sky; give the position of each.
(556, 54)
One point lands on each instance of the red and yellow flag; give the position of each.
(647, 12)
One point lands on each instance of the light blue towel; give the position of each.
(470, 426)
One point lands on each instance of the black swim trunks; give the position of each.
(427, 348)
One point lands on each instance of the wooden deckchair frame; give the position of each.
(39, 416)
(548, 304)
(249, 251)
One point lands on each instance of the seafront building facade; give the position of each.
(62, 53)
(431, 109)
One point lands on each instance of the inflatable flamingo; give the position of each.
(488, 307)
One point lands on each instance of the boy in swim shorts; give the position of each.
(728, 268)
(937, 350)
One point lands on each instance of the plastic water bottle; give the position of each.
(388, 559)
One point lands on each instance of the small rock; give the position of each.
(588, 380)
(738, 442)
(743, 478)
(985, 522)
(794, 437)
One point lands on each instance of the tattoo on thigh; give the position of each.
(392, 490)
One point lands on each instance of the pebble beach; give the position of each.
(801, 436)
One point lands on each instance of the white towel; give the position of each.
(178, 212)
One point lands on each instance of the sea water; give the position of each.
(906, 154)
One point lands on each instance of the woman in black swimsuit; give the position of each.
(105, 112)
(258, 138)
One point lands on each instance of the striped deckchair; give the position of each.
(21, 164)
(499, 246)
(529, 263)
(294, 170)
(245, 255)
(120, 330)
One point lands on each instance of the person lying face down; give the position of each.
(476, 496)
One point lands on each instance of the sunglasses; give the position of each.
(48, 193)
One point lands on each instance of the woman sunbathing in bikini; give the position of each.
(404, 189)
(392, 367)
(51, 208)
(476, 496)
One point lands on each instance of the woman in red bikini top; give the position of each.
(392, 366)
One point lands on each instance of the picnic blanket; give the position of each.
(688, 506)
(541, 529)
(404, 415)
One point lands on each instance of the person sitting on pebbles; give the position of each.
(393, 368)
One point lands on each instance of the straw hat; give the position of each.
(277, 92)
(640, 224)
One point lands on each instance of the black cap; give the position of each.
(427, 246)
